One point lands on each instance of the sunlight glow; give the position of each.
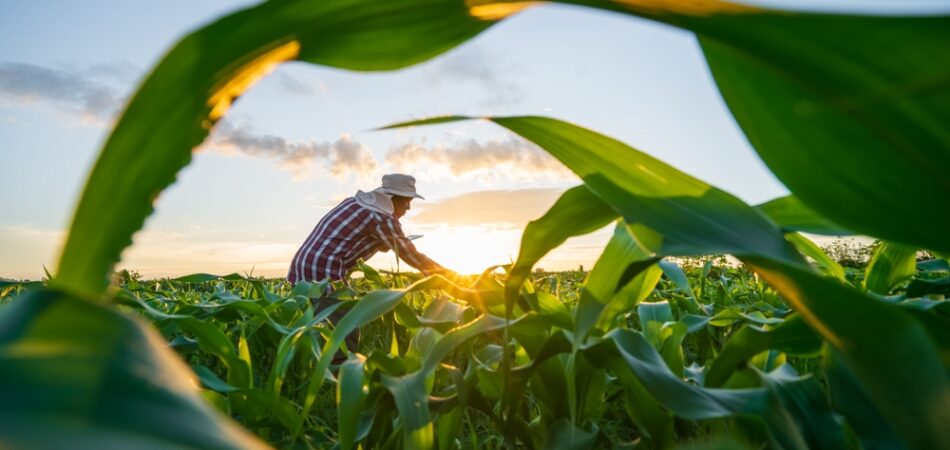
(464, 249)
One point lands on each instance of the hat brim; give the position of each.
(404, 193)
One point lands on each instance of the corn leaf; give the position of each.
(890, 264)
(856, 137)
(673, 213)
(791, 215)
(350, 398)
(791, 336)
(56, 355)
(577, 212)
(825, 263)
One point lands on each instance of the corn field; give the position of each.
(788, 349)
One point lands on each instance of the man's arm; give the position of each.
(391, 233)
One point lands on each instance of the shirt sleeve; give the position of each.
(390, 232)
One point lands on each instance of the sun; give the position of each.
(468, 250)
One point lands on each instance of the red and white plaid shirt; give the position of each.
(347, 233)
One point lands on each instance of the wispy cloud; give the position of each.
(70, 90)
(85, 92)
(343, 157)
(297, 84)
(510, 158)
(471, 65)
(508, 208)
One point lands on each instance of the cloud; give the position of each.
(72, 91)
(502, 159)
(82, 91)
(123, 72)
(342, 158)
(510, 208)
(471, 65)
(298, 85)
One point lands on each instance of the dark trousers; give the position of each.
(352, 340)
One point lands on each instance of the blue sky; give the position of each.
(300, 140)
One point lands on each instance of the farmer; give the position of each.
(356, 229)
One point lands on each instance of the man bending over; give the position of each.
(356, 229)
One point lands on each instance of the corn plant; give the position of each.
(845, 110)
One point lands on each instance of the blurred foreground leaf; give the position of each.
(77, 375)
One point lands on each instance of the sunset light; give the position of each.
(467, 224)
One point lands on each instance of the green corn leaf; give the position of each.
(564, 435)
(409, 391)
(654, 312)
(877, 339)
(244, 353)
(726, 318)
(890, 264)
(850, 400)
(805, 401)
(211, 381)
(448, 426)
(627, 350)
(675, 273)
(372, 306)
(271, 406)
(791, 336)
(410, 396)
(890, 352)
(286, 350)
(371, 274)
(57, 353)
(696, 218)
(237, 304)
(858, 138)
(791, 215)
(590, 385)
(824, 262)
(645, 277)
(577, 212)
(611, 288)
(350, 397)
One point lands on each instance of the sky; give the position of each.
(302, 139)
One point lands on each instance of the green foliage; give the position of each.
(507, 360)
(256, 344)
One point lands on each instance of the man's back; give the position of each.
(347, 233)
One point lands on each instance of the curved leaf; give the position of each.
(791, 215)
(824, 262)
(858, 138)
(578, 211)
(695, 218)
(889, 352)
(890, 264)
(791, 336)
(56, 355)
(350, 397)
(877, 339)
(623, 275)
